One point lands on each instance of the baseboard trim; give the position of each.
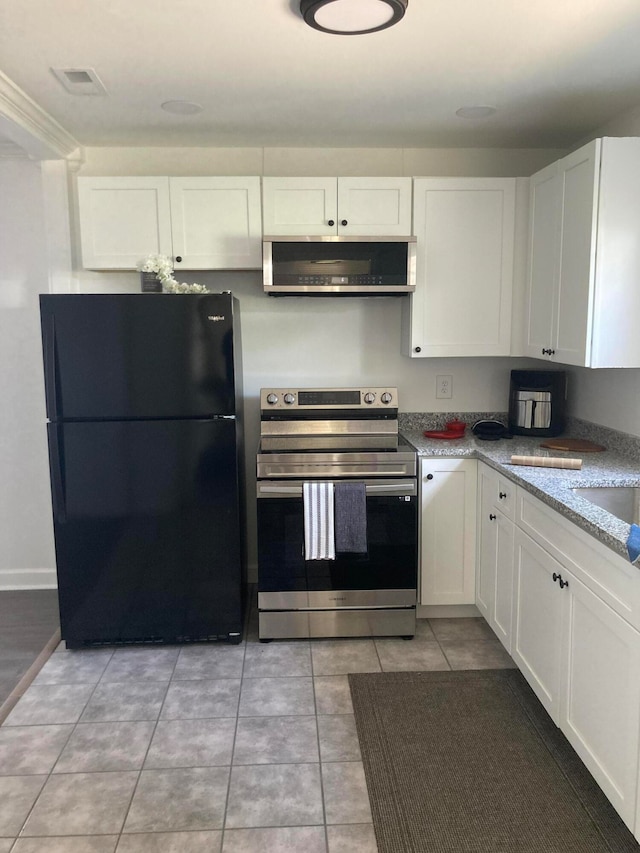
(28, 579)
(21, 687)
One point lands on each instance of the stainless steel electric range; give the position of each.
(329, 436)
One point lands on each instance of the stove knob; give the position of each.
(272, 399)
(369, 397)
(289, 399)
(386, 397)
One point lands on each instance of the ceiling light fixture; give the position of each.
(476, 112)
(181, 108)
(352, 17)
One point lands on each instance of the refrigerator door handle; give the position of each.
(50, 380)
(57, 480)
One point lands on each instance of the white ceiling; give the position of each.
(555, 69)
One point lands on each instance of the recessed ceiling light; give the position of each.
(352, 17)
(80, 81)
(476, 112)
(181, 108)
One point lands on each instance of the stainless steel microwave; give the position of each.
(332, 266)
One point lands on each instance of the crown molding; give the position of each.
(30, 127)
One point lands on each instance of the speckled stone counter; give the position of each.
(551, 485)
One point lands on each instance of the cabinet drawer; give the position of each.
(505, 497)
(605, 573)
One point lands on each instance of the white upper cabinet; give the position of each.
(584, 257)
(122, 220)
(465, 252)
(216, 223)
(207, 223)
(358, 207)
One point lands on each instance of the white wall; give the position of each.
(26, 536)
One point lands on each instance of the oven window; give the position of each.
(390, 562)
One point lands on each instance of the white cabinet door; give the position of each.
(601, 695)
(299, 206)
(373, 207)
(502, 621)
(494, 582)
(216, 223)
(573, 304)
(351, 207)
(545, 202)
(537, 633)
(487, 544)
(122, 220)
(448, 538)
(465, 245)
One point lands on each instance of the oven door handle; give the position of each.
(275, 490)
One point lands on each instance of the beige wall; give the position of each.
(473, 162)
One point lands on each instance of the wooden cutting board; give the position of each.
(574, 445)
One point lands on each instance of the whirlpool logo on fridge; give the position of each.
(215, 318)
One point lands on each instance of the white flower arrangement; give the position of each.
(163, 268)
(172, 286)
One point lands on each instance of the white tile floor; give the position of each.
(223, 749)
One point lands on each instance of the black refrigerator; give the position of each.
(144, 422)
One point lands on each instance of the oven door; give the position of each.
(386, 575)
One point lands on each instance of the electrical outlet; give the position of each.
(444, 386)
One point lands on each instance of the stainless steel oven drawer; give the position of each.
(354, 599)
(337, 623)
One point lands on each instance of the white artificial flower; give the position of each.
(163, 268)
(159, 264)
(172, 286)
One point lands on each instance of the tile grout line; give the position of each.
(155, 726)
(223, 828)
(50, 773)
(320, 773)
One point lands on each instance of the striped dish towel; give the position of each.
(319, 534)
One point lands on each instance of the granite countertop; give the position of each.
(551, 485)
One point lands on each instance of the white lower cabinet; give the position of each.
(448, 489)
(538, 621)
(599, 711)
(494, 580)
(582, 659)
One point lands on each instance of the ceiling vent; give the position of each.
(80, 81)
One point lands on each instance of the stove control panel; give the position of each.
(328, 399)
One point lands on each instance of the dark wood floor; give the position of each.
(28, 619)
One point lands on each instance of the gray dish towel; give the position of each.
(351, 518)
